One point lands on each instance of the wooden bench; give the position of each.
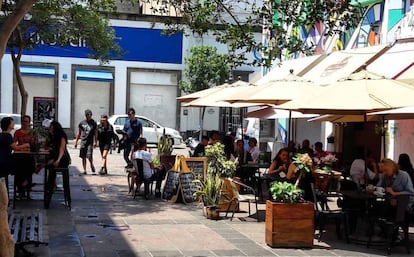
(26, 229)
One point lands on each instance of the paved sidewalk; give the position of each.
(106, 222)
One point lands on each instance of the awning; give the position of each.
(94, 75)
(343, 63)
(37, 71)
(282, 70)
(395, 61)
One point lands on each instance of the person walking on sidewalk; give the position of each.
(133, 131)
(87, 133)
(105, 136)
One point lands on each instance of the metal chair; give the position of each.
(323, 214)
(139, 179)
(392, 225)
(238, 198)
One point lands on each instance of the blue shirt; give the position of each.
(133, 129)
(400, 182)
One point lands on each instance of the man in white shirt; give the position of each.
(150, 171)
(254, 149)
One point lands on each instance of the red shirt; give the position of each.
(21, 138)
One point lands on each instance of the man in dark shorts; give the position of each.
(87, 133)
(133, 131)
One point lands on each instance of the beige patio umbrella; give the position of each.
(336, 118)
(273, 113)
(201, 93)
(217, 98)
(357, 94)
(396, 114)
(275, 91)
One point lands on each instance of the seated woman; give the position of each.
(59, 157)
(405, 164)
(394, 180)
(279, 167)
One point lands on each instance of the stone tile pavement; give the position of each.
(106, 222)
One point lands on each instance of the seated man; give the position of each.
(150, 171)
(199, 151)
(254, 149)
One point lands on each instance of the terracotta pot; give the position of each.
(289, 225)
(167, 161)
(212, 213)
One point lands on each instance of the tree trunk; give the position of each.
(16, 67)
(12, 21)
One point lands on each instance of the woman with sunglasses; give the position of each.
(105, 136)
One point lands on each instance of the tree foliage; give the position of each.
(204, 68)
(234, 22)
(61, 23)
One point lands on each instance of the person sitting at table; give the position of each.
(7, 145)
(319, 152)
(243, 156)
(199, 151)
(280, 164)
(228, 142)
(357, 171)
(214, 137)
(25, 163)
(405, 164)
(394, 180)
(306, 148)
(254, 149)
(292, 149)
(150, 171)
(59, 157)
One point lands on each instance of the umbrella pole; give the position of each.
(289, 137)
(365, 152)
(384, 147)
(203, 111)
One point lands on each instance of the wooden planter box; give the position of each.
(289, 225)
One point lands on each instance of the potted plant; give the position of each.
(290, 219)
(165, 149)
(217, 163)
(209, 191)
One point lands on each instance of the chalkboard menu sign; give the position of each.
(172, 186)
(188, 187)
(197, 165)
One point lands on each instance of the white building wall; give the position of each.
(66, 83)
(6, 85)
